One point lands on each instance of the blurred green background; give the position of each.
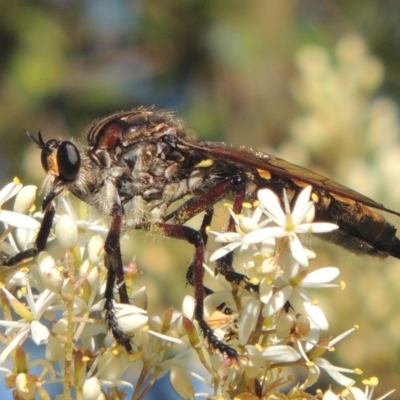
(315, 82)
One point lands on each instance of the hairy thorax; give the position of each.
(139, 181)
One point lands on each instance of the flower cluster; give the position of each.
(56, 301)
(277, 327)
(280, 327)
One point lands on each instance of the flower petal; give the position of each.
(277, 301)
(266, 291)
(40, 333)
(269, 200)
(358, 394)
(302, 203)
(129, 319)
(334, 373)
(180, 381)
(18, 220)
(91, 389)
(248, 320)
(316, 315)
(66, 232)
(14, 343)
(280, 353)
(260, 235)
(25, 199)
(329, 395)
(319, 276)
(316, 227)
(298, 251)
(10, 190)
(227, 237)
(312, 377)
(223, 251)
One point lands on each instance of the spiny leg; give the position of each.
(203, 231)
(40, 242)
(195, 238)
(195, 272)
(190, 272)
(115, 274)
(204, 203)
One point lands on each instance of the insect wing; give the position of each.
(277, 166)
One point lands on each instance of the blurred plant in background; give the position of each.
(230, 70)
(343, 112)
(351, 132)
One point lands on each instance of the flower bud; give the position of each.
(66, 232)
(180, 381)
(55, 348)
(96, 249)
(91, 389)
(45, 261)
(112, 364)
(26, 386)
(25, 199)
(53, 280)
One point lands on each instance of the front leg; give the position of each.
(115, 274)
(40, 242)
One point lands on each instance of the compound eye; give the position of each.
(68, 161)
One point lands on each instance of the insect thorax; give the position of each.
(141, 180)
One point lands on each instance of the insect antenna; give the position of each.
(39, 140)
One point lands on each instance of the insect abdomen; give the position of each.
(361, 230)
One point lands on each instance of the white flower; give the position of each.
(335, 372)
(293, 282)
(31, 315)
(233, 240)
(315, 348)
(288, 224)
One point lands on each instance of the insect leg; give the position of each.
(115, 273)
(195, 238)
(224, 264)
(40, 242)
(204, 202)
(203, 231)
(199, 204)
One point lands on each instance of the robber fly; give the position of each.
(138, 163)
